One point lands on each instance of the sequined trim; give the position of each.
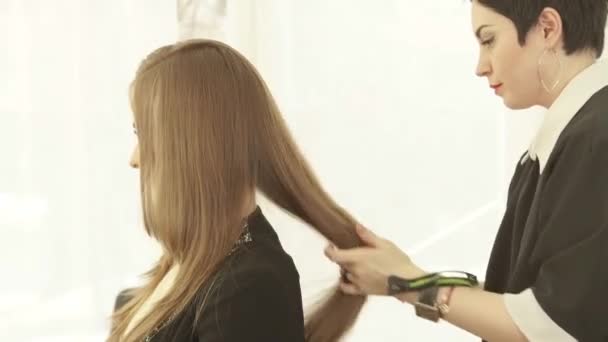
(243, 239)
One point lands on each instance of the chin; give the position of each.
(514, 104)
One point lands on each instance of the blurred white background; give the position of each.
(381, 96)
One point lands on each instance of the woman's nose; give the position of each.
(134, 162)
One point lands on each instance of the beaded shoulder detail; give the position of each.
(243, 239)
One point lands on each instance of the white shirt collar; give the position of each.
(574, 96)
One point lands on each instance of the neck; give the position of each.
(571, 66)
(249, 204)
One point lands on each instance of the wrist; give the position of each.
(410, 297)
(410, 273)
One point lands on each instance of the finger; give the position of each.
(343, 276)
(368, 237)
(350, 277)
(330, 251)
(347, 276)
(344, 256)
(350, 289)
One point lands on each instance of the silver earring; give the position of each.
(559, 72)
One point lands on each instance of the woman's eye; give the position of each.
(487, 42)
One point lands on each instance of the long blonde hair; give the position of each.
(210, 132)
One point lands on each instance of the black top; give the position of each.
(554, 235)
(257, 296)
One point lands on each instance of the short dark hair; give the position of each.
(584, 21)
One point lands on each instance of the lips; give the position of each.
(495, 86)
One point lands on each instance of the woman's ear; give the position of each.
(550, 23)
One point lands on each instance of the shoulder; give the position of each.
(255, 296)
(256, 269)
(258, 264)
(582, 147)
(589, 128)
(599, 117)
(263, 257)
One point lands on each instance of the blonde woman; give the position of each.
(210, 135)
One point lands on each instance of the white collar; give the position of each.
(574, 96)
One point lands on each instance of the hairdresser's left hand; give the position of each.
(368, 268)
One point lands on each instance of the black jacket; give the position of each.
(256, 296)
(554, 236)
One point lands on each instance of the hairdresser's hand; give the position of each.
(366, 269)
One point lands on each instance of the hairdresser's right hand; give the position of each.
(367, 268)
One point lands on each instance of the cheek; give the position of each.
(506, 64)
(518, 73)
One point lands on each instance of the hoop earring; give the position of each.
(559, 72)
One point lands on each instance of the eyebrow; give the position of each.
(478, 31)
